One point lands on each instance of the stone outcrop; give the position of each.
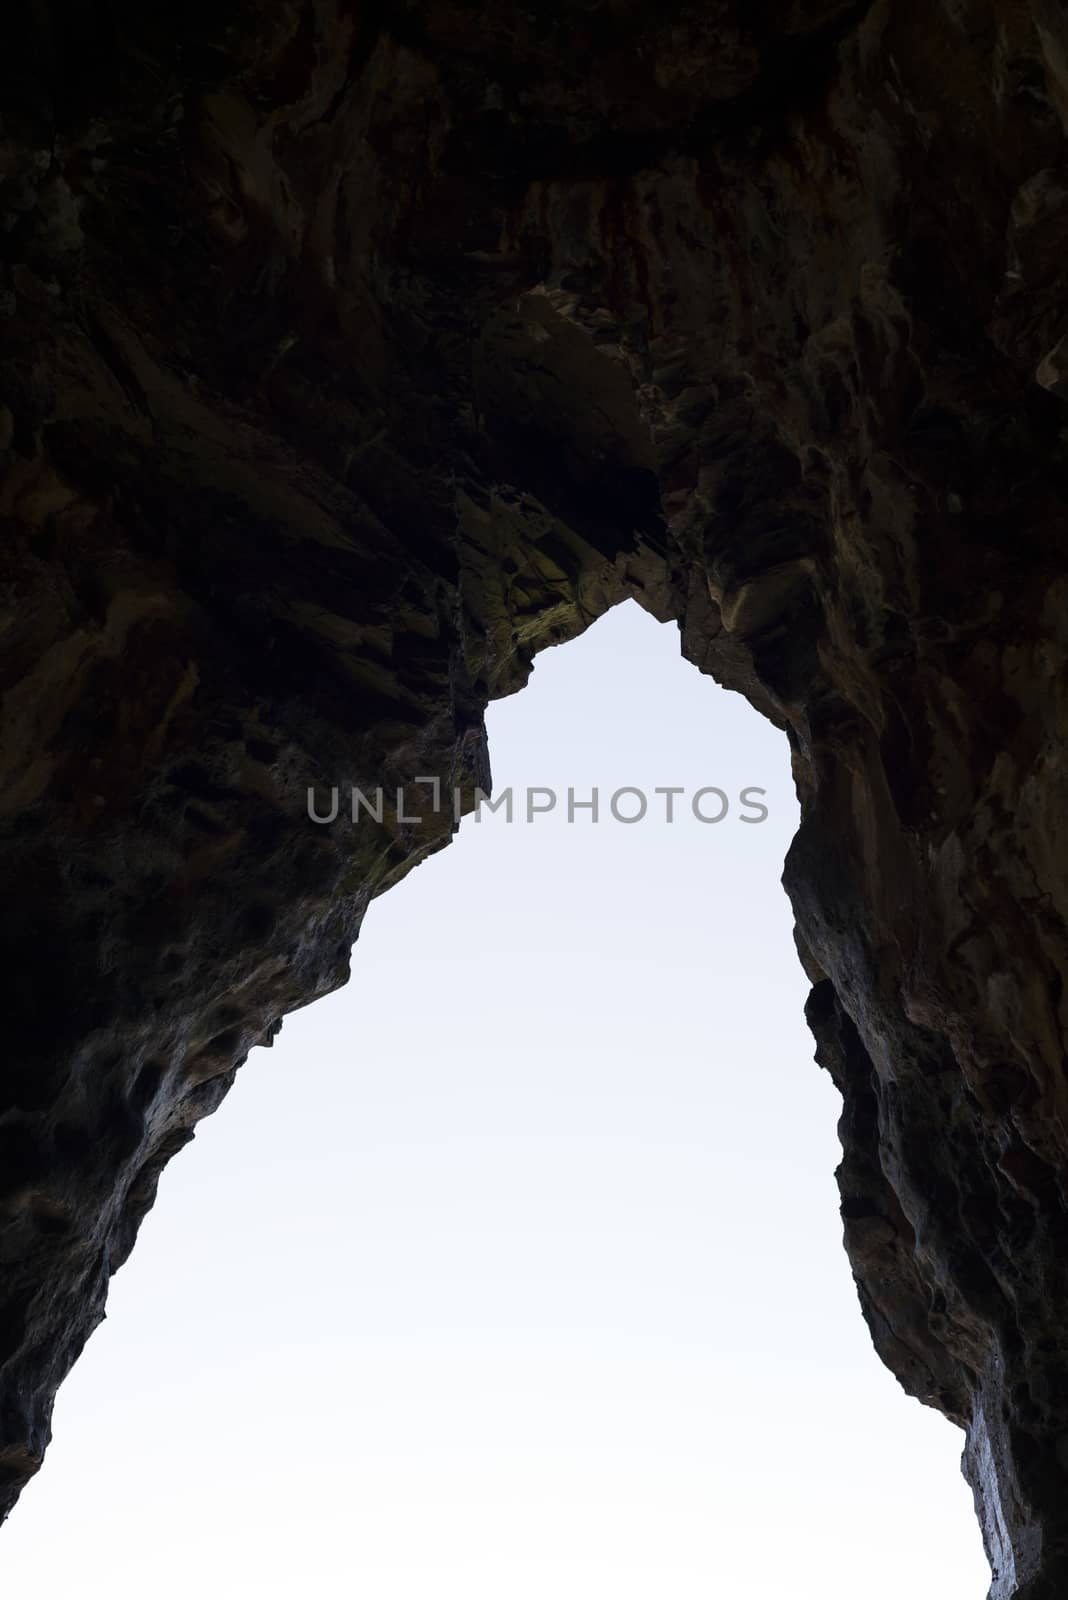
(350, 355)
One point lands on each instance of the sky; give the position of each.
(515, 1267)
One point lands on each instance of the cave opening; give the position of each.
(535, 1284)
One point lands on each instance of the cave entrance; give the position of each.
(516, 1266)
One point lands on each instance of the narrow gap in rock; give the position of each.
(515, 1267)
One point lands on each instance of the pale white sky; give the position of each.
(515, 1268)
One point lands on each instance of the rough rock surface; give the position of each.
(350, 354)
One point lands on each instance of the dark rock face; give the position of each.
(351, 354)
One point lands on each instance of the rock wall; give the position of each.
(350, 355)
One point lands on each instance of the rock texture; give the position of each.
(350, 355)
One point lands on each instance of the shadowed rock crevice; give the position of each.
(350, 359)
